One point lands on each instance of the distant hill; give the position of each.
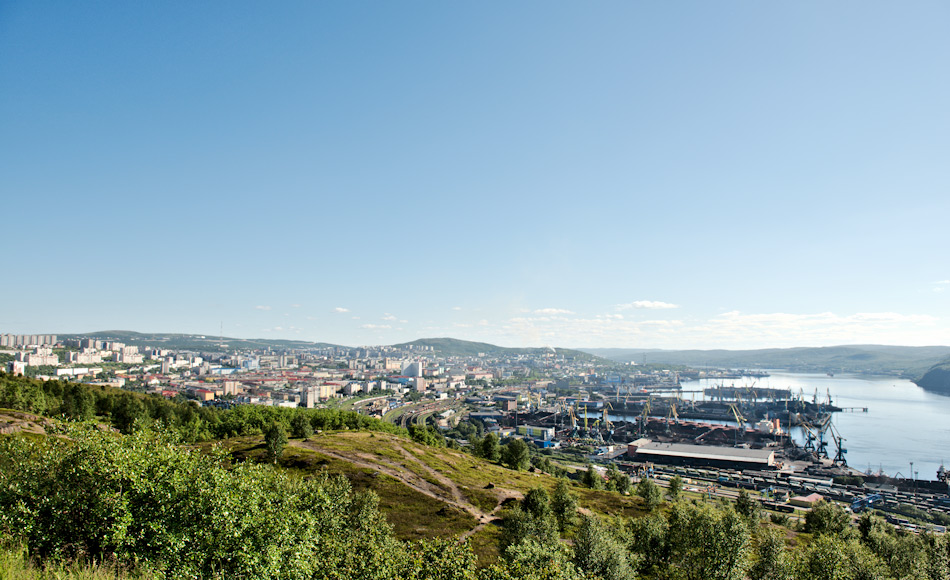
(205, 343)
(208, 343)
(465, 348)
(937, 378)
(904, 361)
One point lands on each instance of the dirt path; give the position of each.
(446, 490)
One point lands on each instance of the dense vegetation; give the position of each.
(147, 503)
(129, 411)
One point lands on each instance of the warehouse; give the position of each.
(701, 455)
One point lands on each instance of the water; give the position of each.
(904, 423)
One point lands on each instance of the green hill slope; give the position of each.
(936, 379)
(427, 492)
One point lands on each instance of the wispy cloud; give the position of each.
(648, 304)
(734, 330)
(341, 309)
(552, 311)
(456, 308)
(389, 316)
(295, 306)
(262, 308)
(375, 326)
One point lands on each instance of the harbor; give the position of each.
(879, 428)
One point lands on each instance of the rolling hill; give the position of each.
(465, 348)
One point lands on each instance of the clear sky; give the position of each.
(700, 174)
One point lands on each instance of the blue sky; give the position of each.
(615, 174)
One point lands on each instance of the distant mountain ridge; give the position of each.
(904, 361)
(209, 343)
(457, 347)
(200, 342)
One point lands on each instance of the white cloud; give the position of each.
(456, 308)
(376, 326)
(944, 282)
(389, 316)
(341, 309)
(649, 304)
(262, 308)
(552, 311)
(295, 306)
(729, 330)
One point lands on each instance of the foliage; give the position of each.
(591, 478)
(564, 506)
(707, 543)
(490, 448)
(831, 557)
(598, 553)
(650, 492)
(531, 519)
(516, 455)
(771, 560)
(676, 487)
(426, 435)
(300, 426)
(748, 508)
(129, 411)
(275, 439)
(827, 518)
(617, 480)
(531, 560)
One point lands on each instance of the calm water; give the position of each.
(904, 423)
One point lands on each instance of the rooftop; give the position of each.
(765, 456)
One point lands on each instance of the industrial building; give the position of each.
(543, 433)
(701, 455)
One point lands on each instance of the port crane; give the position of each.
(607, 424)
(840, 451)
(739, 419)
(645, 415)
(573, 416)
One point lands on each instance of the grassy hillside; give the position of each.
(427, 492)
(903, 361)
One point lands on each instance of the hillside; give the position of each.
(905, 361)
(936, 379)
(465, 348)
(205, 343)
(427, 492)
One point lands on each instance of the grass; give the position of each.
(16, 565)
(415, 515)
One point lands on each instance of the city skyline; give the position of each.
(616, 175)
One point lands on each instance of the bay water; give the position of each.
(903, 423)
